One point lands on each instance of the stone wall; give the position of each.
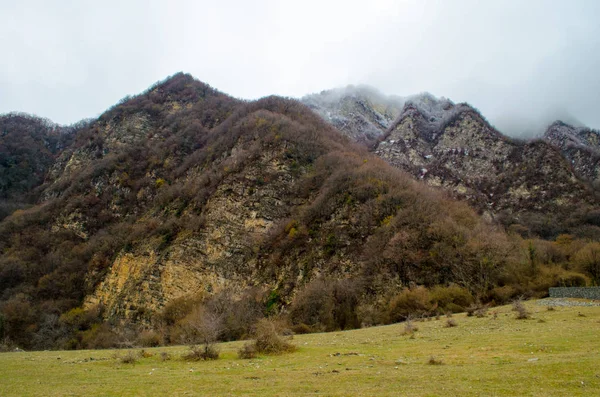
(575, 292)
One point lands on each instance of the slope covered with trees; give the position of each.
(28, 148)
(183, 201)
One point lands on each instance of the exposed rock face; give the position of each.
(361, 112)
(455, 148)
(221, 255)
(580, 146)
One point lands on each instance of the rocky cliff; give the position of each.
(360, 112)
(541, 185)
(580, 146)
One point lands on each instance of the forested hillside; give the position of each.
(183, 201)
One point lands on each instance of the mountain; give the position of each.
(580, 146)
(360, 112)
(539, 187)
(28, 148)
(521, 182)
(183, 200)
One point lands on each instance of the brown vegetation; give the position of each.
(354, 242)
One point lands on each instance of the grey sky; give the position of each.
(522, 63)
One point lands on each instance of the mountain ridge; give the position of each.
(184, 193)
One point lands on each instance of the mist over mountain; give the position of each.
(517, 62)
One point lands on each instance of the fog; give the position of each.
(523, 64)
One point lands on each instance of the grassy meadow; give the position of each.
(555, 352)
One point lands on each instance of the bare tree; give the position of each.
(203, 327)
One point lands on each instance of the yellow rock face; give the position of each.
(218, 257)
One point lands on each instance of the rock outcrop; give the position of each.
(580, 146)
(360, 112)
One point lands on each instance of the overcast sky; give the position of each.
(521, 63)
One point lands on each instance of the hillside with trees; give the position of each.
(183, 204)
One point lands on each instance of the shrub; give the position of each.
(481, 311)
(522, 312)
(302, 329)
(128, 358)
(144, 354)
(238, 314)
(452, 298)
(409, 327)
(267, 339)
(100, 336)
(327, 305)
(434, 361)
(6, 345)
(202, 326)
(504, 294)
(179, 308)
(410, 302)
(149, 338)
(205, 352)
(588, 260)
(369, 315)
(478, 310)
(247, 351)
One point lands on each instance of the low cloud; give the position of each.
(522, 64)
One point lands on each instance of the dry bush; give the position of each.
(452, 298)
(267, 339)
(477, 309)
(202, 327)
(198, 353)
(101, 336)
(237, 314)
(522, 312)
(409, 327)
(178, 308)
(471, 310)
(327, 305)
(128, 358)
(588, 260)
(149, 338)
(302, 329)
(555, 276)
(504, 294)
(481, 311)
(409, 303)
(369, 315)
(145, 354)
(6, 345)
(434, 361)
(247, 351)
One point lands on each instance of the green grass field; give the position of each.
(554, 353)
